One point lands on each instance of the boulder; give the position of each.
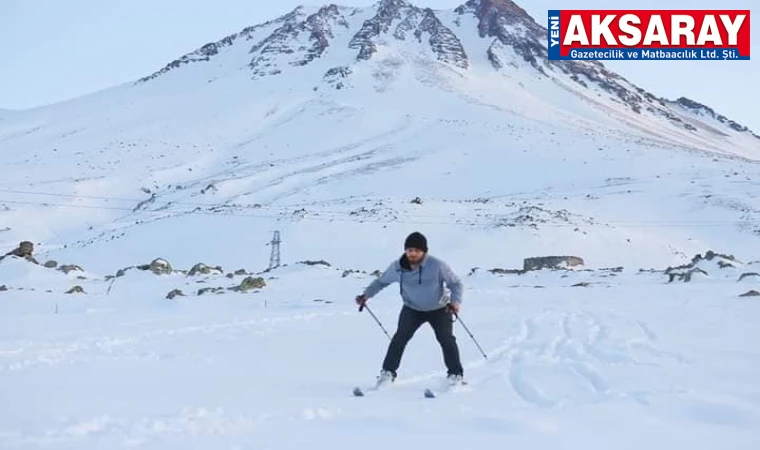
(67, 268)
(175, 293)
(749, 274)
(684, 276)
(377, 274)
(159, 266)
(203, 269)
(3, 288)
(416, 201)
(121, 272)
(210, 188)
(250, 283)
(76, 290)
(551, 262)
(241, 272)
(710, 255)
(51, 264)
(498, 271)
(216, 290)
(24, 250)
(752, 293)
(316, 263)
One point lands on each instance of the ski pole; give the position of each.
(459, 319)
(364, 306)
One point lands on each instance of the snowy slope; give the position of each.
(627, 362)
(325, 124)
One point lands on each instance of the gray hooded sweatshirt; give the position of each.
(421, 289)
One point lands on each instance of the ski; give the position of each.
(433, 393)
(361, 392)
(379, 384)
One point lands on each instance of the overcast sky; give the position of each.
(51, 50)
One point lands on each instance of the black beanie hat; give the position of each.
(416, 240)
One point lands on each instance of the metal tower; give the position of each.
(274, 259)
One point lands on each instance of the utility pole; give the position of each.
(274, 259)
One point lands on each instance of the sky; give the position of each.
(54, 50)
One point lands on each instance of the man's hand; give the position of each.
(361, 300)
(453, 308)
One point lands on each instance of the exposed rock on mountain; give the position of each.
(315, 31)
(400, 19)
(206, 52)
(349, 37)
(701, 109)
(551, 262)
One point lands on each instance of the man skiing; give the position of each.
(421, 278)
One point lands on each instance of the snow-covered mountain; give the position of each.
(313, 118)
(508, 38)
(152, 322)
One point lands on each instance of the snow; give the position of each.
(615, 363)
(203, 163)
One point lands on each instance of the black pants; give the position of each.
(409, 321)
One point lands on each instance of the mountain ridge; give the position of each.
(306, 34)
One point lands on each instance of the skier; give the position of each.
(421, 278)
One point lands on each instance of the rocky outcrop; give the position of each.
(250, 284)
(315, 263)
(704, 110)
(498, 271)
(495, 15)
(24, 250)
(683, 275)
(444, 43)
(388, 11)
(752, 293)
(175, 293)
(158, 266)
(704, 265)
(317, 29)
(68, 268)
(51, 264)
(511, 26)
(551, 263)
(211, 290)
(76, 290)
(336, 77)
(748, 275)
(203, 269)
(400, 19)
(208, 51)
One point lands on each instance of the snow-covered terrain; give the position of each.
(345, 129)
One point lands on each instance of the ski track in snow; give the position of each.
(557, 356)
